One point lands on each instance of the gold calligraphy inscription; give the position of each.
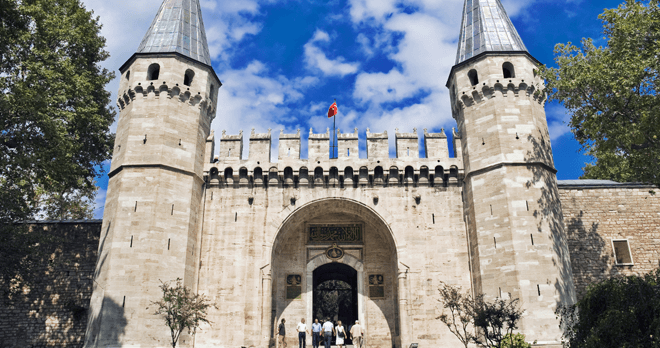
(335, 233)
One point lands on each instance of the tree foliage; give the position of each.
(475, 319)
(496, 319)
(460, 316)
(611, 92)
(621, 312)
(54, 120)
(181, 309)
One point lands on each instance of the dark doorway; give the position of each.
(335, 295)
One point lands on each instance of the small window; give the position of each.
(128, 75)
(622, 253)
(153, 72)
(212, 91)
(188, 77)
(474, 77)
(507, 70)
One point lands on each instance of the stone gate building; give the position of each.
(270, 240)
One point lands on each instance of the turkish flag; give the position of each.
(332, 110)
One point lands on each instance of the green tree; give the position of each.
(620, 312)
(54, 121)
(486, 323)
(496, 319)
(181, 309)
(611, 93)
(515, 341)
(460, 316)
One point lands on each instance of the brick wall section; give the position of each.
(594, 215)
(53, 313)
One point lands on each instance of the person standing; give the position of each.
(281, 333)
(328, 332)
(356, 334)
(316, 333)
(341, 334)
(302, 333)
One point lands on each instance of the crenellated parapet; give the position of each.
(175, 93)
(509, 88)
(438, 169)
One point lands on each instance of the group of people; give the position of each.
(325, 332)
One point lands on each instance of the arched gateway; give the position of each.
(336, 258)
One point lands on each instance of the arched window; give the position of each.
(212, 91)
(288, 175)
(128, 75)
(153, 71)
(507, 70)
(258, 176)
(188, 77)
(474, 77)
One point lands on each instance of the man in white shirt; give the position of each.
(302, 333)
(328, 332)
(356, 334)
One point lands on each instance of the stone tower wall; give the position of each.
(517, 238)
(151, 218)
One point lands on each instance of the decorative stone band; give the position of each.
(154, 165)
(203, 102)
(484, 91)
(439, 176)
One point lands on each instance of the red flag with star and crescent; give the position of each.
(332, 110)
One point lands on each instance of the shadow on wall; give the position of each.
(549, 215)
(104, 310)
(52, 309)
(112, 317)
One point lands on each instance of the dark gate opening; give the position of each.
(336, 296)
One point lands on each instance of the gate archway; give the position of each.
(366, 246)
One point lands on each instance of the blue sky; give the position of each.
(385, 61)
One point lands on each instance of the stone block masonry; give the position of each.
(53, 312)
(595, 215)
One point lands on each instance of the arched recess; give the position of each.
(293, 253)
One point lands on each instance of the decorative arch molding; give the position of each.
(295, 215)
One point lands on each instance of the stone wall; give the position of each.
(595, 215)
(53, 312)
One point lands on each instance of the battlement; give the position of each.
(493, 88)
(229, 169)
(139, 92)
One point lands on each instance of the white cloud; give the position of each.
(558, 118)
(99, 203)
(362, 10)
(316, 59)
(249, 98)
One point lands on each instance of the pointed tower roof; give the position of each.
(178, 27)
(486, 27)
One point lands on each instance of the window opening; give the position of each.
(474, 77)
(188, 77)
(508, 71)
(622, 253)
(153, 71)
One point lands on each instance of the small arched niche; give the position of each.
(508, 71)
(474, 77)
(188, 77)
(128, 75)
(153, 71)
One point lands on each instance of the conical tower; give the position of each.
(515, 227)
(151, 224)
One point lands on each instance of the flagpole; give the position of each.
(334, 131)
